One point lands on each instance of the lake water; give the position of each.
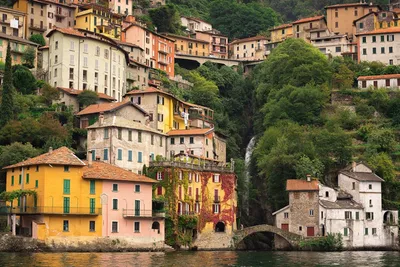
(209, 259)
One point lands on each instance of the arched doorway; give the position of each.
(388, 218)
(156, 226)
(220, 227)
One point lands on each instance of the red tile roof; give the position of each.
(308, 19)
(176, 36)
(381, 31)
(254, 38)
(108, 107)
(104, 171)
(190, 132)
(61, 156)
(283, 26)
(301, 185)
(350, 5)
(72, 91)
(379, 77)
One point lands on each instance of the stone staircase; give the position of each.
(214, 241)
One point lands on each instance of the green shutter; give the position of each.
(137, 207)
(119, 154)
(27, 178)
(12, 180)
(20, 179)
(140, 157)
(105, 156)
(366, 231)
(67, 184)
(93, 155)
(19, 202)
(92, 187)
(35, 201)
(357, 215)
(66, 204)
(92, 205)
(346, 232)
(129, 155)
(36, 183)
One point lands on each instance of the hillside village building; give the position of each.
(302, 28)
(190, 46)
(18, 47)
(218, 42)
(252, 48)
(354, 209)
(379, 81)
(82, 201)
(195, 24)
(376, 20)
(12, 22)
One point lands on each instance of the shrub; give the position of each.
(330, 242)
(365, 110)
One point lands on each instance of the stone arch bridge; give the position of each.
(291, 238)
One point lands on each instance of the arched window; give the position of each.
(220, 227)
(156, 226)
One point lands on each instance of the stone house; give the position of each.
(379, 81)
(302, 28)
(376, 20)
(353, 209)
(125, 143)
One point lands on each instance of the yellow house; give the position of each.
(99, 19)
(190, 46)
(65, 205)
(281, 33)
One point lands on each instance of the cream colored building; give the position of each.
(43, 15)
(195, 24)
(12, 22)
(84, 60)
(252, 48)
(18, 47)
(281, 32)
(332, 45)
(125, 143)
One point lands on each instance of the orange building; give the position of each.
(340, 17)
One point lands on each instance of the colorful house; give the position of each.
(81, 201)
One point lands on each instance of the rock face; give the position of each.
(214, 241)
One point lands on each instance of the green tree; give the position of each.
(306, 166)
(16, 152)
(343, 78)
(23, 80)
(381, 140)
(29, 57)
(204, 92)
(87, 98)
(383, 166)
(7, 99)
(166, 19)
(38, 38)
(49, 94)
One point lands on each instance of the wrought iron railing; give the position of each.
(187, 165)
(51, 210)
(135, 213)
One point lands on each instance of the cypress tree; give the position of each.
(7, 99)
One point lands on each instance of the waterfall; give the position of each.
(249, 152)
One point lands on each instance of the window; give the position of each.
(130, 155)
(115, 187)
(72, 46)
(115, 204)
(12, 180)
(387, 82)
(114, 227)
(105, 152)
(216, 208)
(382, 50)
(137, 188)
(326, 193)
(27, 178)
(67, 186)
(119, 154)
(366, 231)
(159, 190)
(390, 38)
(374, 50)
(370, 186)
(106, 133)
(197, 178)
(364, 51)
(66, 204)
(20, 179)
(364, 39)
(66, 168)
(390, 49)
(357, 215)
(374, 39)
(369, 216)
(92, 187)
(182, 140)
(373, 231)
(322, 214)
(216, 178)
(311, 212)
(119, 134)
(172, 141)
(92, 205)
(191, 140)
(346, 231)
(66, 226)
(206, 142)
(140, 157)
(180, 175)
(139, 137)
(159, 176)
(92, 226)
(361, 26)
(300, 228)
(338, 49)
(137, 227)
(354, 184)
(286, 215)
(347, 215)
(336, 24)
(152, 139)
(382, 38)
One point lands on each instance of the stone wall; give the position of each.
(301, 204)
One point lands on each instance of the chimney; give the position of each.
(101, 119)
(50, 150)
(90, 152)
(308, 178)
(354, 165)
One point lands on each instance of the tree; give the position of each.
(204, 92)
(87, 98)
(29, 57)
(49, 94)
(382, 140)
(166, 19)
(38, 38)
(343, 78)
(306, 166)
(7, 99)
(16, 152)
(23, 80)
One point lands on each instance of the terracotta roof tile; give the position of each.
(61, 156)
(379, 77)
(283, 26)
(176, 36)
(249, 39)
(72, 91)
(104, 171)
(190, 132)
(301, 185)
(108, 107)
(308, 19)
(350, 5)
(381, 31)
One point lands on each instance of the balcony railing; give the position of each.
(187, 165)
(38, 27)
(134, 213)
(51, 210)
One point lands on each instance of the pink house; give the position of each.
(127, 207)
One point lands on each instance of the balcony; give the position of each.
(186, 165)
(163, 51)
(134, 213)
(163, 62)
(51, 210)
(16, 50)
(60, 14)
(8, 21)
(39, 28)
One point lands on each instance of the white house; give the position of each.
(379, 81)
(195, 24)
(354, 209)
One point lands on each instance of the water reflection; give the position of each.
(200, 259)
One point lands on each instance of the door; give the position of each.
(285, 227)
(66, 204)
(137, 207)
(310, 231)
